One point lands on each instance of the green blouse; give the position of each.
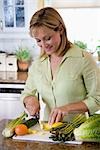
(77, 79)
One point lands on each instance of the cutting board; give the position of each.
(42, 136)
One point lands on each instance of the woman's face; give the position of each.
(48, 39)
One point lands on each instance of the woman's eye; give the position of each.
(38, 41)
(47, 39)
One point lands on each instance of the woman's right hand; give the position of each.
(32, 105)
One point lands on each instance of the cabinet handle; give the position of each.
(1, 25)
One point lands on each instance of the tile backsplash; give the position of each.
(10, 45)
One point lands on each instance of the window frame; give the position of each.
(72, 3)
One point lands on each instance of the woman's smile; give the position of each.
(48, 48)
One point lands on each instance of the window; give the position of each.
(72, 3)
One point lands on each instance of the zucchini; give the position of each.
(9, 130)
(31, 122)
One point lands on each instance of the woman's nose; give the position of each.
(43, 44)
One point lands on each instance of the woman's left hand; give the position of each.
(57, 114)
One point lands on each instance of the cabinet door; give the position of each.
(1, 16)
(10, 108)
(14, 18)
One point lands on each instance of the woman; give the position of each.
(66, 77)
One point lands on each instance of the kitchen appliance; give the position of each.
(10, 104)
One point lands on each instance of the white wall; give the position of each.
(83, 24)
(11, 45)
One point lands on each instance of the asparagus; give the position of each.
(65, 131)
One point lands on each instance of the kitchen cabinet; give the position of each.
(15, 16)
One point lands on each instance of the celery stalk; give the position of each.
(8, 131)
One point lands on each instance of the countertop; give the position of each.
(17, 76)
(13, 77)
(10, 144)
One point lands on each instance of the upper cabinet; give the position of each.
(15, 16)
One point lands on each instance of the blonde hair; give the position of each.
(50, 18)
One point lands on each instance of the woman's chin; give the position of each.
(49, 52)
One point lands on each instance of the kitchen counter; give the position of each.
(13, 77)
(10, 144)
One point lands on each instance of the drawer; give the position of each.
(3, 75)
(3, 62)
(11, 75)
(11, 63)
